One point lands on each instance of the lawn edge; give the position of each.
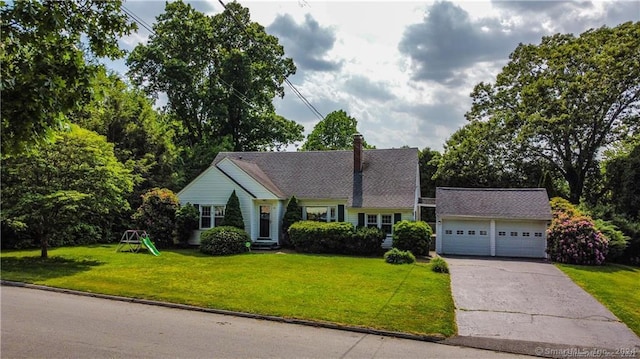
(435, 338)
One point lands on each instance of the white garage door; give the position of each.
(521, 239)
(466, 237)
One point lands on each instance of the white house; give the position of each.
(374, 188)
(492, 222)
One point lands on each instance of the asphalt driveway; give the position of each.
(521, 301)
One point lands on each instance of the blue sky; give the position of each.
(404, 70)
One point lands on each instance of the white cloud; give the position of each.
(404, 70)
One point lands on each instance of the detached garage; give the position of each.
(506, 222)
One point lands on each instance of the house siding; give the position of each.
(351, 215)
(214, 188)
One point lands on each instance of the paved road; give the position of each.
(532, 301)
(43, 324)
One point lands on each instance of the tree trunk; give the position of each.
(576, 185)
(44, 245)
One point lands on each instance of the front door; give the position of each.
(265, 222)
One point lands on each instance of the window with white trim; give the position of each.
(372, 221)
(387, 223)
(211, 216)
(320, 213)
(218, 215)
(205, 217)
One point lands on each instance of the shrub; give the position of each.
(320, 237)
(412, 236)
(157, 215)
(187, 220)
(232, 213)
(561, 205)
(224, 240)
(365, 241)
(396, 256)
(438, 265)
(616, 240)
(292, 215)
(575, 240)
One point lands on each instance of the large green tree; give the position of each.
(47, 54)
(334, 132)
(143, 138)
(428, 160)
(71, 186)
(220, 74)
(564, 100)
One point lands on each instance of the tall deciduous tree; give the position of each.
(334, 132)
(564, 100)
(220, 75)
(142, 137)
(71, 186)
(428, 160)
(45, 73)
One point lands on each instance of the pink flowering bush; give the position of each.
(575, 240)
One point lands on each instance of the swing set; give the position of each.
(133, 239)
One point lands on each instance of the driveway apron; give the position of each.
(531, 301)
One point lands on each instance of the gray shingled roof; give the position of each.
(388, 179)
(507, 203)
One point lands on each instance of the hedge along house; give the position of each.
(373, 188)
(492, 222)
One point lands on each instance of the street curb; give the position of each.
(424, 338)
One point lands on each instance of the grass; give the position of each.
(364, 292)
(616, 286)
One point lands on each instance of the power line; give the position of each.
(293, 88)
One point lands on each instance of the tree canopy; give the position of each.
(47, 48)
(71, 186)
(561, 102)
(334, 132)
(220, 74)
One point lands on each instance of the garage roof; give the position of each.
(505, 203)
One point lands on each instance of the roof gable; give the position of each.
(388, 180)
(507, 203)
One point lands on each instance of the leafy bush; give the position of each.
(157, 215)
(561, 205)
(232, 213)
(320, 237)
(412, 236)
(292, 215)
(575, 240)
(187, 220)
(224, 240)
(396, 256)
(438, 265)
(616, 240)
(365, 241)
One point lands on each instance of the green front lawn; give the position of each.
(356, 291)
(614, 285)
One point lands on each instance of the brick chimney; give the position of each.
(358, 154)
